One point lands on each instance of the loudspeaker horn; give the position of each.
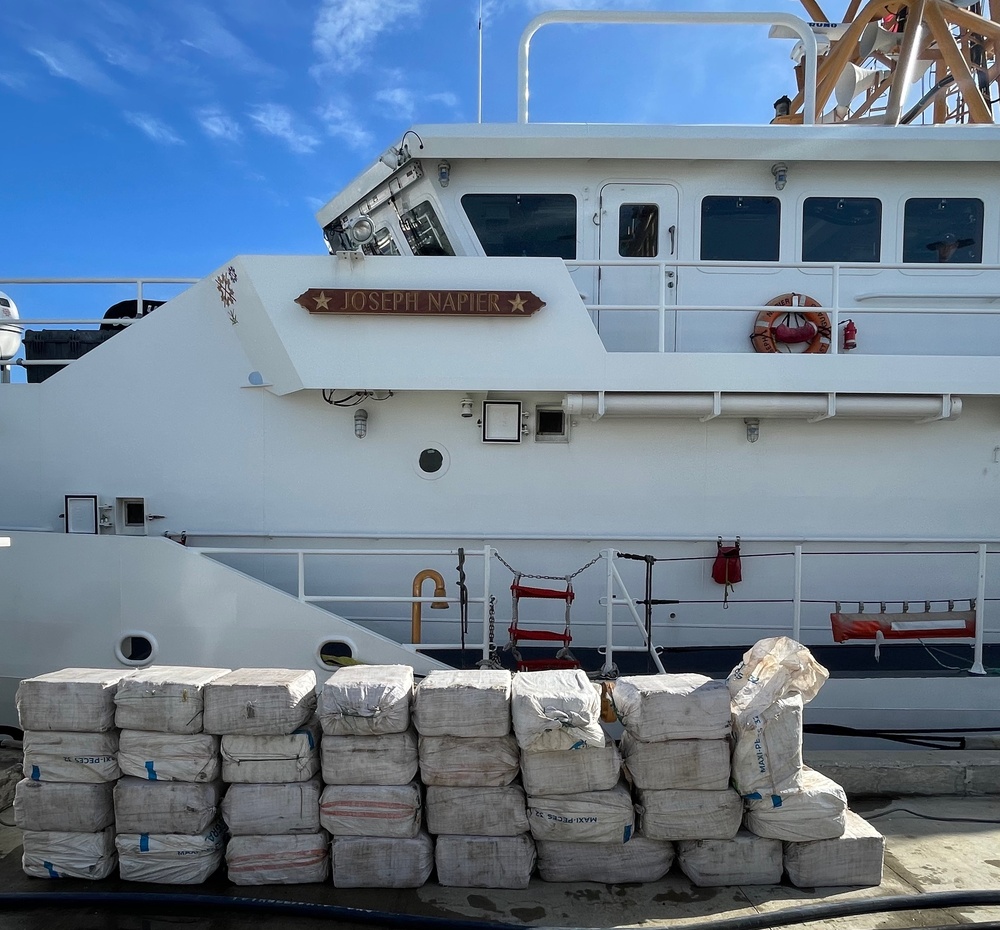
(853, 81)
(876, 38)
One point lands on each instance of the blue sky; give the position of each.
(162, 137)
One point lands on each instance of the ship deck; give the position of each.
(935, 843)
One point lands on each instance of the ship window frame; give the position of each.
(734, 255)
(437, 241)
(875, 240)
(498, 248)
(388, 246)
(912, 253)
(647, 243)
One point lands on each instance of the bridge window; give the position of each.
(533, 225)
(740, 229)
(841, 229)
(423, 231)
(382, 243)
(943, 229)
(638, 230)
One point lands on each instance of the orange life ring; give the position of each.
(805, 331)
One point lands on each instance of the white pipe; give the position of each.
(858, 406)
(799, 26)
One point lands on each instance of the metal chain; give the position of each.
(514, 571)
(493, 624)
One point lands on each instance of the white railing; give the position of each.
(617, 596)
(675, 289)
(56, 319)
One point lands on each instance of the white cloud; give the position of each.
(399, 101)
(272, 119)
(344, 29)
(156, 129)
(65, 60)
(217, 124)
(207, 33)
(340, 122)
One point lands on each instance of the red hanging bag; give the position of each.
(727, 569)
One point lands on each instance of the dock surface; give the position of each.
(934, 843)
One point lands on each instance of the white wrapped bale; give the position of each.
(60, 854)
(662, 707)
(271, 760)
(384, 759)
(75, 699)
(170, 859)
(266, 810)
(773, 668)
(767, 751)
(278, 860)
(469, 762)
(689, 815)
(371, 810)
(571, 771)
(71, 756)
(855, 858)
(463, 703)
(744, 860)
(63, 807)
(259, 701)
(639, 860)
(164, 698)
(165, 806)
(381, 861)
(159, 756)
(816, 811)
(686, 764)
(485, 861)
(477, 811)
(587, 817)
(558, 709)
(365, 700)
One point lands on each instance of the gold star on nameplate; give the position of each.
(322, 301)
(517, 304)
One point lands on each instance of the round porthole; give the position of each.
(136, 648)
(432, 462)
(332, 653)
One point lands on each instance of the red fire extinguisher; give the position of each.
(850, 335)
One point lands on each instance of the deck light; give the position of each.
(444, 173)
(780, 172)
(466, 406)
(361, 423)
(753, 429)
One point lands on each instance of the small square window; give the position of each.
(135, 513)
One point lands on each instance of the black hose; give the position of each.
(783, 918)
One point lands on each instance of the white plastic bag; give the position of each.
(773, 668)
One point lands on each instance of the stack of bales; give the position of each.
(167, 801)
(372, 802)
(469, 763)
(677, 752)
(824, 843)
(270, 761)
(579, 807)
(64, 803)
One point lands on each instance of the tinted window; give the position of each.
(740, 229)
(535, 225)
(381, 244)
(423, 231)
(841, 229)
(638, 228)
(937, 229)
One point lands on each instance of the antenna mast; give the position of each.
(480, 61)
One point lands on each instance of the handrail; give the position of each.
(797, 553)
(832, 274)
(799, 26)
